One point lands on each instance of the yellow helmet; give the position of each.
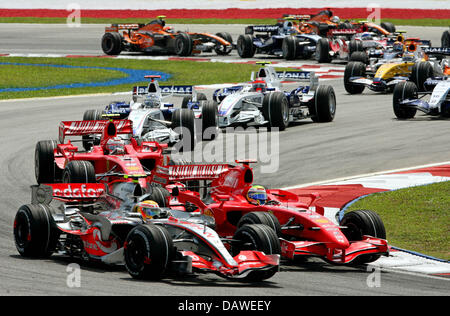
(149, 209)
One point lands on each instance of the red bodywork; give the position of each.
(129, 165)
(305, 232)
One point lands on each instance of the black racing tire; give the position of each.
(354, 69)
(355, 46)
(79, 171)
(289, 47)
(445, 39)
(420, 72)
(183, 123)
(276, 109)
(345, 25)
(264, 218)
(322, 54)
(323, 106)
(159, 195)
(388, 26)
(363, 222)
(112, 43)
(224, 50)
(35, 231)
(360, 56)
(187, 99)
(245, 46)
(402, 91)
(209, 120)
(257, 237)
(183, 44)
(91, 115)
(45, 168)
(148, 251)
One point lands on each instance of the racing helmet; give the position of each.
(259, 85)
(398, 47)
(151, 101)
(407, 56)
(335, 19)
(257, 195)
(149, 210)
(116, 146)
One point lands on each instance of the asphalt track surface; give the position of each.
(364, 137)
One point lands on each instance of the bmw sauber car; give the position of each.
(407, 99)
(358, 237)
(261, 102)
(116, 224)
(282, 40)
(153, 118)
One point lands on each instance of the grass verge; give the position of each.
(183, 73)
(416, 219)
(412, 22)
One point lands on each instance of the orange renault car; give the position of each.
(156, 37)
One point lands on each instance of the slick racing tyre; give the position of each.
(257, 237)
(355, 46)
(322, 54)
(360, 56)
(245, 46)
(148, 251)
(209, 120)
(91, 140)
(187, 99)
(388, 26)
(402, 91)
(183, 123)
(323, 106)
(421, 71)
(264, 218)
(79, 171)
(112, 43)
(289, 47)
(445, 39)
(222, 50)
(359, 223)
(354, 69)
(35, 231)
(183, 44)
(276, 110)
(159, 195)
(45, 168)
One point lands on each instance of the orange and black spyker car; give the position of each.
(156, 37)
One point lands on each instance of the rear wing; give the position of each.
(302, 76)
(442, 51)
(262, 29)
(180, 173)
(81, 128)
(165, 90)
(45, 193)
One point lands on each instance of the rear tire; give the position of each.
(402, 91)
(323, 51)
(264, 218)
(388, 26)
(35, 231)
(112, 43)
(148, 250)
(79, 171)
(276, 109)
(224, 50)
(354, 69)
(245, 46)
(91, 115)
(183, 44)
(45, 168)
(421, 71)
(289, 47)
(360, 56)
(183, 123)
(209, 120)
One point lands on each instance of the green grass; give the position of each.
(414, 22)
(416, 219)
(37, 76)
(183, 73)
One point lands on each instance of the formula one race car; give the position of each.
(233, 200)
(282, 40)
(382, 75)
(116, 224)
(407, 99)
(156, 37)
(261, 102)
(114, 158)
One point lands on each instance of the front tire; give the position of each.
(323, 51)
(402, 91)
(354, 69)
(323, 106)
(421, 71)
(45, 168)
(289, 47)
(209, 120)
(245, 46)
(183, 123)
(79, 171)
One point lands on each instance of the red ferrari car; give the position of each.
(358, 238)
(112, 159)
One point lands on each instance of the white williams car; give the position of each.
(262, 102)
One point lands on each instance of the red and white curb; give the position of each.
(323, 71)
(336, 195)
